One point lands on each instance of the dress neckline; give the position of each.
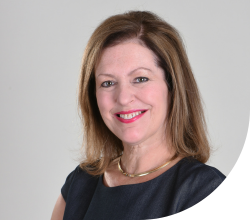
(140, 184)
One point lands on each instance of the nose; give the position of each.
(124, 94)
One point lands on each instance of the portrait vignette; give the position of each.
(42, 48)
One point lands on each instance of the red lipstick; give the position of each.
(129, 112)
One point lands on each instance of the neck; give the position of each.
(145, 156)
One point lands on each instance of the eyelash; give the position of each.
(102, 85)
(145, 79)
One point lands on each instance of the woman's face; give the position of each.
(131, 93)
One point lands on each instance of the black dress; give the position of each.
(182, 186)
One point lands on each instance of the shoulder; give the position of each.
(196, 181)
(78, 180)
(190, 167)
(77, 192)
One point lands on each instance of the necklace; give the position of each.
(140, 174)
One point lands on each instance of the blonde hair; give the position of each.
(186, 121)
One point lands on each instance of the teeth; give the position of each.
(129, 116)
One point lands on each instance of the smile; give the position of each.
(129, 116)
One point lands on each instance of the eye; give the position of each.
(141, 79)
(107, 84)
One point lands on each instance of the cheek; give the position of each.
(156, 96)
(104, 101)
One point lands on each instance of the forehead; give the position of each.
(126, 56)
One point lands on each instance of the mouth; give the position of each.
(129, 116)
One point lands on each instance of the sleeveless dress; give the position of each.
(179, 188)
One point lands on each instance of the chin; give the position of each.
(131, 139)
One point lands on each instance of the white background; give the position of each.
(41, 47)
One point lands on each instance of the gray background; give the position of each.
(41, 47)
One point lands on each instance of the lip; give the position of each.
(128, 112)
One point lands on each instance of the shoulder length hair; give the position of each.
(186, 121)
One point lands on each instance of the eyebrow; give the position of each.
(130, 73)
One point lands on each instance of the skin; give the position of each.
(127, 78)
(59, 209)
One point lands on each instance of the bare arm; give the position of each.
(59, 209)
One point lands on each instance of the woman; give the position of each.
(145, 133)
